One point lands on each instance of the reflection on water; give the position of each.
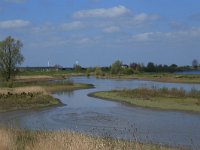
(193, 72)
(106, 118)
(65, 93)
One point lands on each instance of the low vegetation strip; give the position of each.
(35, 77)
(34, 94)
(169, 77)
(19, 90)
(26, 100)
(159, 77)
(43, 140)
(165, 99)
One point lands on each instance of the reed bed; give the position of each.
(29, 94)
(25, 98)
(34, 77)
(7, 140)
(11, 139)
(164, 98)
(19, 90)
(159, 92)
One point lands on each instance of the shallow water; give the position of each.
(106, 118)
(193, 72)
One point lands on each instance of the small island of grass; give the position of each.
(164, 99)
(34, 92)
(29, 98)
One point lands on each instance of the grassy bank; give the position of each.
(49, 83)
(41, 140)
(34, 92)
(52, 73)
(165, 99)
(159, 77)
(25, 98)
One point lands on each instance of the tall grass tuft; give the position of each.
(146, 93)
(7, 140)
(63, 140)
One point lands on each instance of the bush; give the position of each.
(8, 84)
(98, 72)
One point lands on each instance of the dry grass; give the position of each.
(19, 90)
(34, 94)
(35, 140)
(38, 78)
(164, 98)
(7, 141)
(34, 77)
(32, 97)
(160, 77)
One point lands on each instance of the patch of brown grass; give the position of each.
(7, 141)
(19, 90)
(43, 140)
(34, 77)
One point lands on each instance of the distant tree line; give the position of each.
(151, 67)
(118, 68)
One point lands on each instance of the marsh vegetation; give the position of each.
(12, 139)
(163, 98)
(34, 92)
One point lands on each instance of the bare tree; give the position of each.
(10, 57)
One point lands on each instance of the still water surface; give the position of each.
(106, 118)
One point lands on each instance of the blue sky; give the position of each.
(98, 32)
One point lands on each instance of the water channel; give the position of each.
(106, 118)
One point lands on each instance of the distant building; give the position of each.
(125, 66)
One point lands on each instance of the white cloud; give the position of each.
(14, 24)
(169, 36)
(113, 12)
(129, 22)
(84, 40)
(45, 29)
(72, 25)
(142, 37)
(142, 17)
(107, 18)
(111, 29)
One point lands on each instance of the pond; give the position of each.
(111, 119)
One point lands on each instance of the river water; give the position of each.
(106, 118)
